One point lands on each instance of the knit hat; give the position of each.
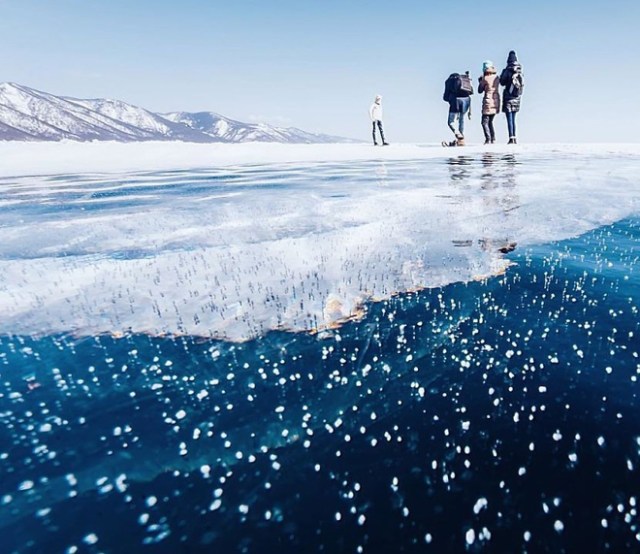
(512, 58)
(488, 64)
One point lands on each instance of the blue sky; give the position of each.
(317, 64)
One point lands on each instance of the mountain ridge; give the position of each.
(28, 114)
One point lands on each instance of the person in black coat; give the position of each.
(512, 80)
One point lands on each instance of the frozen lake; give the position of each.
(235, 252)
(425, 349)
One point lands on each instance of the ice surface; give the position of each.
(233, 251)
(41, 158)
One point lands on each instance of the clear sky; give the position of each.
(316, 64)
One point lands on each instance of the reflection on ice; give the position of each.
(232, 253)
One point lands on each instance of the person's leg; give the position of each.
(381, 132)
(486, 128)
(451, 122)
(463, 106)
(511, 125)
(373, 133)
(492, 131)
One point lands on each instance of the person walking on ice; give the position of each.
(375, 113)
(512, 80)
(457, 92)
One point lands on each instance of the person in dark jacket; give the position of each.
(512, 80)
(459, 105)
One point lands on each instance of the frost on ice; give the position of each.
(238, 251)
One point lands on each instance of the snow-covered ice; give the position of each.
(231, 241)
(42, 158)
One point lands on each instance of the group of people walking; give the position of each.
(457, 93)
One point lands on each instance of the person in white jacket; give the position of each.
(375, 112)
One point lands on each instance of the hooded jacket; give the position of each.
(490, 86)
(375, 111)
(510, 103)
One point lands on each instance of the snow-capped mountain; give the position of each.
(229, 130)
(27, 114)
